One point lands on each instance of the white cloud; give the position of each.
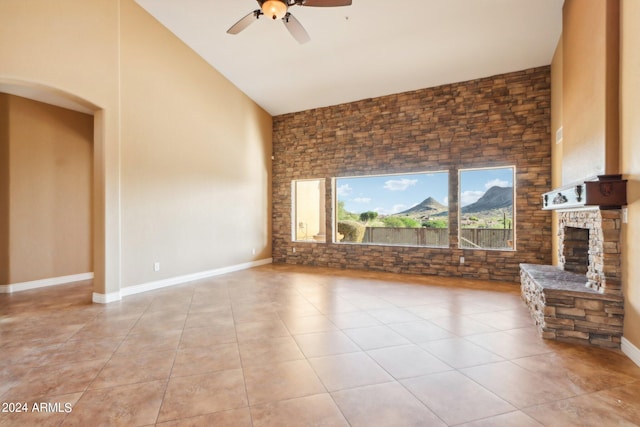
(399, 184)
(496, 182)
(468, 197)
(398, 208)
(446, 201)
(362, 200)
(344, 190)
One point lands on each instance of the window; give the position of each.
(486, 219)
(308, 217)
(407, 210)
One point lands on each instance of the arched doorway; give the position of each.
(54, 258)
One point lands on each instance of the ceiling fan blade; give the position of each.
(326, 3)
(244, 22)
(295, 28)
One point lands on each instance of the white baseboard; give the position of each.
(172, 281)
(631, 351)
(106, 298)
(53, 281)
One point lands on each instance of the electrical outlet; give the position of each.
(461, 260)
(293, 250)
(156, 266)
(625, 215)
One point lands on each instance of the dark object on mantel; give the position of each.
(608, 192)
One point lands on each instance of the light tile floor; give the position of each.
(299, 346)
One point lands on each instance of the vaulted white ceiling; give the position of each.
(368, 49)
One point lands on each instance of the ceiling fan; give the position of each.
(279, 9)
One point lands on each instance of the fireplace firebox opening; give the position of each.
(575, 250)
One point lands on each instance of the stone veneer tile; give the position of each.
(565, 309)
(495, 121)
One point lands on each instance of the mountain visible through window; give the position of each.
(486, 219)
(407, 209)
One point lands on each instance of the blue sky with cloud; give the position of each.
(390, 194)
(475, 183)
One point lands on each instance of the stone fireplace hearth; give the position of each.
(581, 299)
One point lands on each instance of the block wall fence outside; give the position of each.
(497, 121)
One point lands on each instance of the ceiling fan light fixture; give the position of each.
(274, 9)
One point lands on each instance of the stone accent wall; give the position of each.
(496, 121)
(604, 273)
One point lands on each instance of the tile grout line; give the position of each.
(244, 379)
(175, 356)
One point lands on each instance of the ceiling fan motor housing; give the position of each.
(274, 9)
(279, 9)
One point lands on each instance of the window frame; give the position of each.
(334, 209)
(294, 209)
(513, 247)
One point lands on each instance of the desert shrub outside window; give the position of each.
(487, 209)
(308, 210)
(399, 209)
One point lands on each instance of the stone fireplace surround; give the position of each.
(604, 268)
(568, 304)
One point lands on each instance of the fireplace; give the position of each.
(581, 300)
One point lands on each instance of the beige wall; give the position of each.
(556, 148)
(629, 146)
(4, 189)
(590, 82)
(196, 160)
(70, 48)
(50, 191)
(192, 150)
(630, 163)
